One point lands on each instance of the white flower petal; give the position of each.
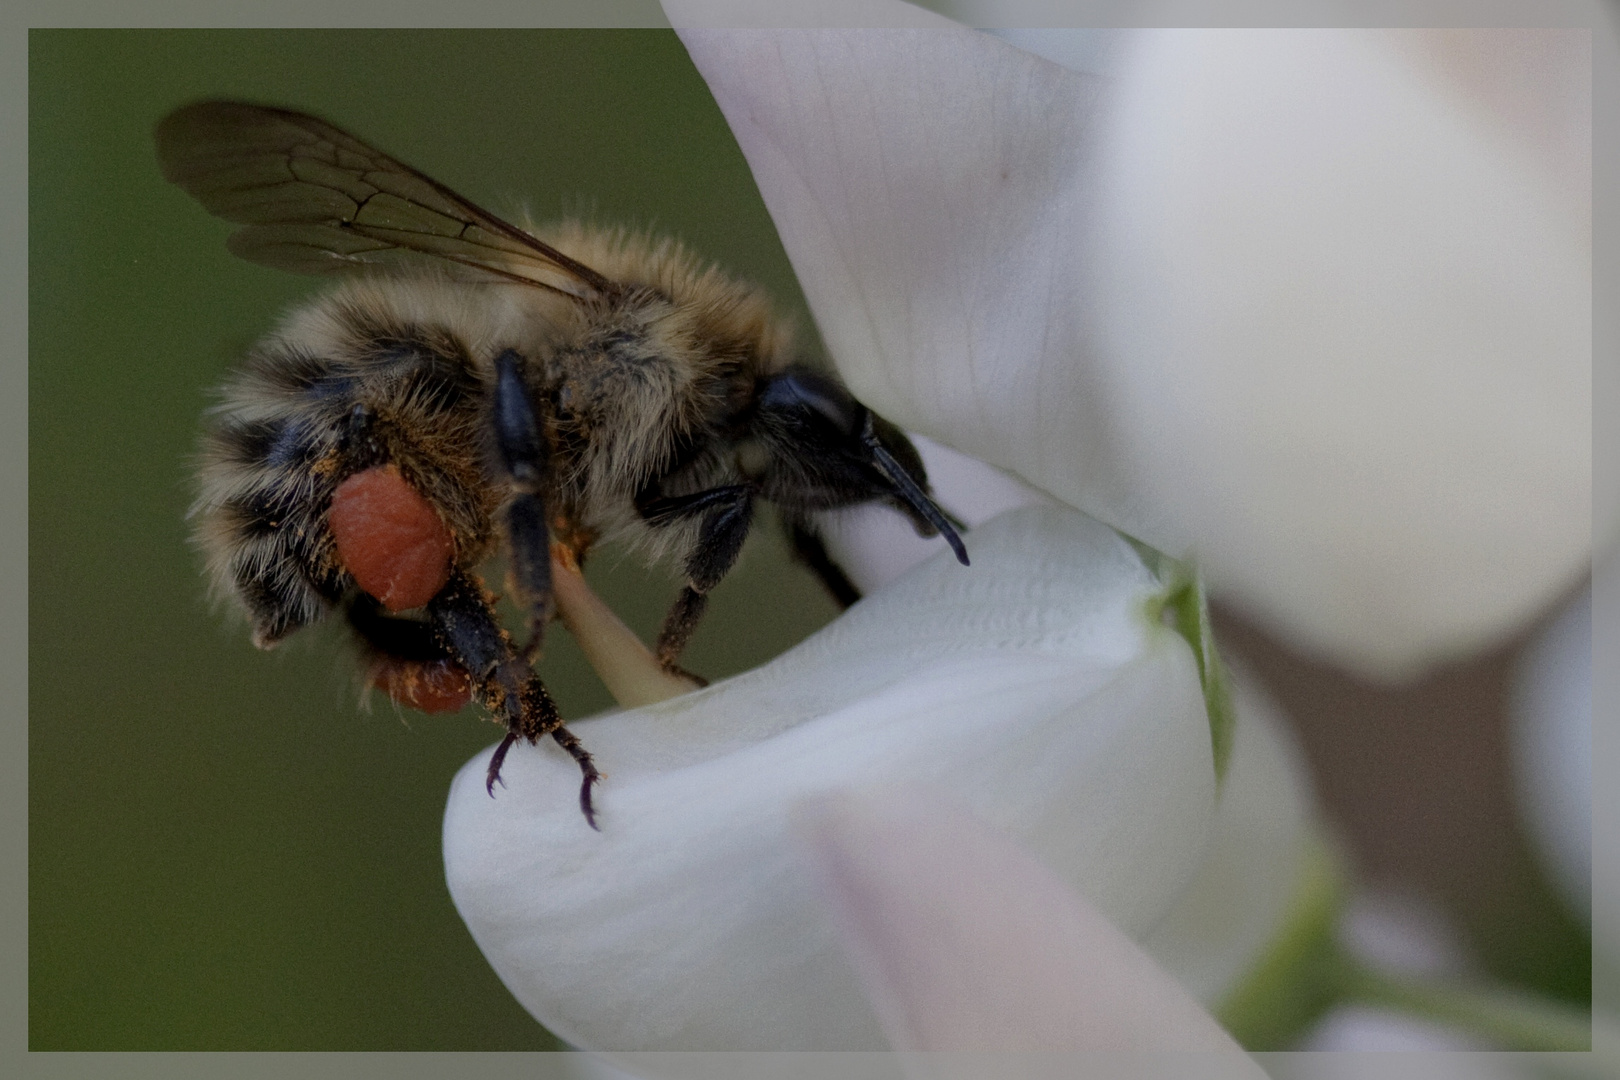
(1260, 852)
(1402, 934)
(1088, 50)
(1605, 807)
(1552, 740)
(1275, 298)
(1369, 1030)
(967, 942)
(1034, 686)
(921, 181)
(1354, 325)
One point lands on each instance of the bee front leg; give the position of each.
(809, 549)
(727, 514)
(521, 450)
(465, 624)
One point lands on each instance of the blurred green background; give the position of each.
(224, 851)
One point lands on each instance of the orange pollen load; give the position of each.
(433, 686)
(390, 538)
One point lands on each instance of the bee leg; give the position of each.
(677, 630)
(809, 550)
(360, 445)
(406, 660)
(407, 639)
(521, 450)
(727, 514)
(530, 566)
(464, 621)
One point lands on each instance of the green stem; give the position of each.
(1511, 1020)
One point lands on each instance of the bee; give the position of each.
(471, 388)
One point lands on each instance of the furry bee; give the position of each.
(472, 388)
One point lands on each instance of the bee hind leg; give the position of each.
(566, 739)
(464, 621)
(405, 658)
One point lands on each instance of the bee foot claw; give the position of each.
(585, 801)
(493, 776)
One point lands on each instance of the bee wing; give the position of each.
(316, 200)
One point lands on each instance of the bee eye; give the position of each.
(810, 395)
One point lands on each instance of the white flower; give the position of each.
(1552, 742)
(1266, 861)
(1605, 807)
(1298, 303)
(1211, 302)
(1039, 688)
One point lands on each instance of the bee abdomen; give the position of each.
(260, 519)
(282, 567)
(274, 443)
(283, 441)
(279, 600)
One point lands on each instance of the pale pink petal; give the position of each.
(965, 941)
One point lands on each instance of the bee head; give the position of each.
(827, 450)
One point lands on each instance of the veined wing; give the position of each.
(316, 200)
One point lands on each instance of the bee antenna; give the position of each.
(908, 490)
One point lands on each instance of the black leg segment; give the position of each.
(677, 630)
(529, 560)
(726, 513)
(809, 550)
(517, 427)
(403, 639)
(521, 448)
(465, 626)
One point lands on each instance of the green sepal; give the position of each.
(1184, 606)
